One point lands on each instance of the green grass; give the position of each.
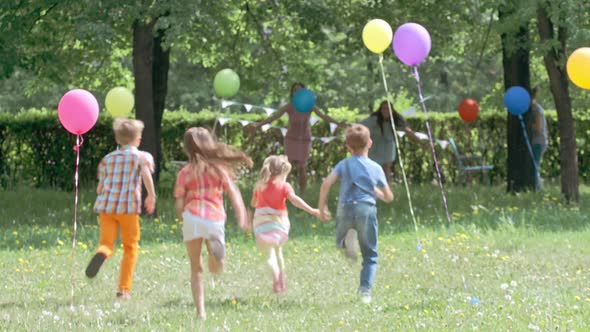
(524, 256)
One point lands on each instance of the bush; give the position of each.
(36, 150)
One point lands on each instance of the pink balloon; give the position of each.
(78, 111)
(411, 43)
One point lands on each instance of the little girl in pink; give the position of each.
(271, 220)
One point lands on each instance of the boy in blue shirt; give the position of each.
(362, 182)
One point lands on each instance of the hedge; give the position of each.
(36, 150)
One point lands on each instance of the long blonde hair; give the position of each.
(273, 168)
(206, 154)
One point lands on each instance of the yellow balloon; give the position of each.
(578, 67)
(119, 102)
(377, 35)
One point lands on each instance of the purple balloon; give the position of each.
(411, 43)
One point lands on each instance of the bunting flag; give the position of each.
(313, 120)
(421, 135)
(226, 103)
(326, 139)
(248, 107)
(223, 121)
(443, 144)
(333, 127)
(425, 99)
(410, 112)
(269, 110)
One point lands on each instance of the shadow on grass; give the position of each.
(235, 303)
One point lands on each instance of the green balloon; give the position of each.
(226, 83)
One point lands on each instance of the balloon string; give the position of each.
(431, 140)
(217, 117)
(436, 165)
(528, 143)
(401, 163)
(79, 142)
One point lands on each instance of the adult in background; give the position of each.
(540, 137)
(298, 137)
(383, 150)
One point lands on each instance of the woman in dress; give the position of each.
(383, 150)
(298, 138)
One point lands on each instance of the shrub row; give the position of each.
(36, 150)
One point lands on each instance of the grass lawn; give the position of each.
(525, 257)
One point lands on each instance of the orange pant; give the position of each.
(129, 237)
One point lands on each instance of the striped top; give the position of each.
(203, 194)
(120, 175)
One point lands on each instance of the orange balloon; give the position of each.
(468, 110)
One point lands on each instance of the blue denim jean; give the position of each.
(363, 218)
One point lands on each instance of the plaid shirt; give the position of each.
(120, 175)
(203, 194)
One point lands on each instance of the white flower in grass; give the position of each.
(504, 286)
(495, 253)
(534, 327)
(508, 297)
(513, 283)
(117, 305)
(46, 313)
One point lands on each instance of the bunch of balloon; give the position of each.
(377, 36)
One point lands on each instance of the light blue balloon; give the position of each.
(517, 100)
(303, 100)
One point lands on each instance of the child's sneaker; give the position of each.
(364, 297)
(217, 248)
(95, 264)
(123, 295)
(351, 247)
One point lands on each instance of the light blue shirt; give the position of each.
(359, 176)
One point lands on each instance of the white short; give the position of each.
(195, 227)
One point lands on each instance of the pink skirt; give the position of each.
(297, 149)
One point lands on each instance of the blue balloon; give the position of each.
(303, 100)
(517, 100)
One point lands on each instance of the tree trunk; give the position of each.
(554, 60)
(515, 61)
(143, 44)
(160, 67)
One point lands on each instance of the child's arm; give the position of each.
(150, 200)
(384, 194)
(233, 192)
(324, 190)
(300, 203)
(253, 200)
(101, 176)
(179, 206)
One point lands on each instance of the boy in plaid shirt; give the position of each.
(118, 201)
